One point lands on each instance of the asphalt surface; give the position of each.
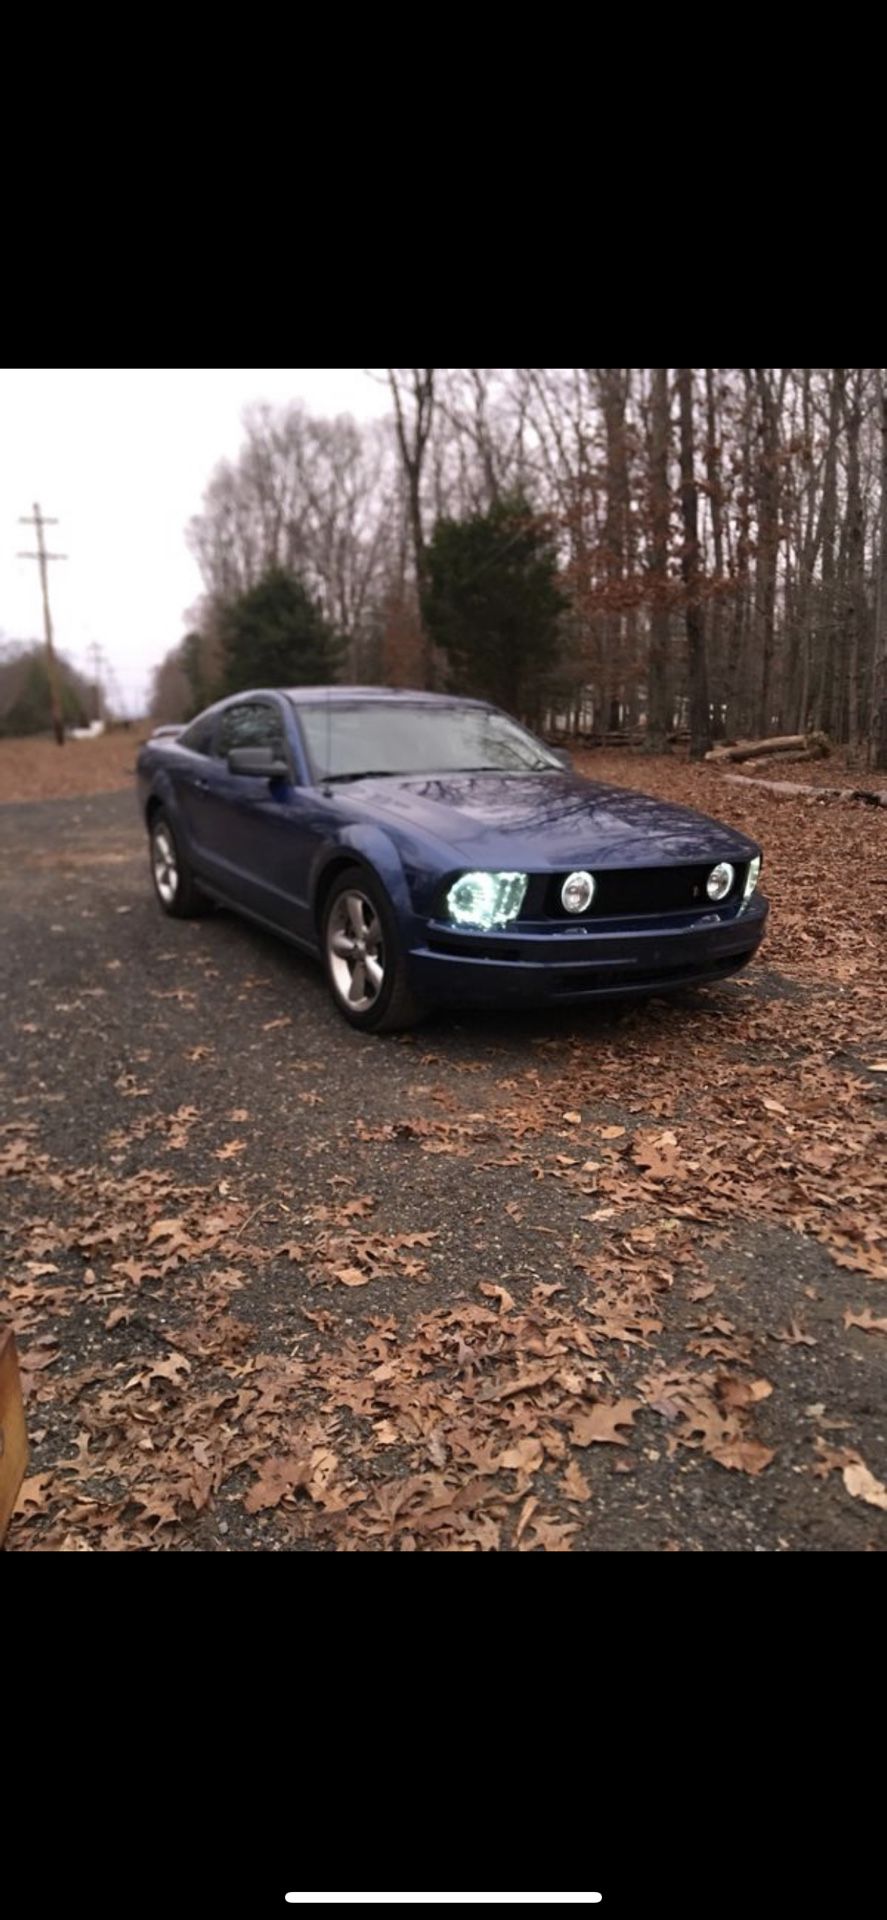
(111, 1011)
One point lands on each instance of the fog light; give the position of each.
(720, 880)
(486, 900)
(577, 892)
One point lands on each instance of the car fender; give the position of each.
(160, 786)
(374, 848)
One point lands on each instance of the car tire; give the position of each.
(174, 883)
(363, 956)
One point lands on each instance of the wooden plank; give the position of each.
(13, 1438)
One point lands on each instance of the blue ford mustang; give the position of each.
(431, 851)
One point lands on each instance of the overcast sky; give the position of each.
(121, 457)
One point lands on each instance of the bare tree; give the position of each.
(412, 391)
(697, 678)
(658, 717)
(878, 748)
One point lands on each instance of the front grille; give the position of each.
(634, 892)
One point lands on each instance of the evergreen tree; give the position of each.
(493, 604)
(275, 635)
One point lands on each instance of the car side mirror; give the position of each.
(562, 756)
(262, 763)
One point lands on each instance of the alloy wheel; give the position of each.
(164, 864)
(356, 950)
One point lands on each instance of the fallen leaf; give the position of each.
(32, 1492)
(574, 1483)
(742, 1393)
(601, 1421)
(863, 1485)
(551, 1536)
(794, 1336)
(749, 1456)
(865, 1319)
(498, 1293)
(230, 1150)
(173, 1369)
(278, 1476)
(526, 1457)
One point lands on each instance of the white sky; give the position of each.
(121, 457)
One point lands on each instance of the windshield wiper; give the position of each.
(367, 773)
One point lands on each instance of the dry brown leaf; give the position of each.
(498, 1293)
(749, 1456)
(794, 1336)
(574, 1483)
(278, 1476)
(601, 1422)
(525, 1457)
(832, 1459)
(865, 1319)
(172, 1369)
(742, 1393)
(526, 1514)
(863, 1485)
(33, 1492)
(551, 1536)
(231, 1149)
(172, 1230)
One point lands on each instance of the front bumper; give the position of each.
(534, 966)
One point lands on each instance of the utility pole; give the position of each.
(41, 556)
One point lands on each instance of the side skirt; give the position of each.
(268, 926)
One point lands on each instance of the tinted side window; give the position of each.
(198, 738)
(251, 725)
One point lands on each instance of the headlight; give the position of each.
(577, 892)
(486, 900)
(720, 880)
(751, 881)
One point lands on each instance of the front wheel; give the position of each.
(363, 956)
(174, 883)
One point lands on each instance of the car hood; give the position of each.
(549, 820)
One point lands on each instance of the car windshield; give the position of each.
(349, 739)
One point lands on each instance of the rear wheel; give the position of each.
(363, 956)
(174, 883)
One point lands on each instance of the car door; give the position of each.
(191, 772)
(261, 835)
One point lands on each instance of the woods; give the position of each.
(717, 533)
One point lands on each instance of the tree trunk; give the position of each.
(697, 678)
(658, 716)
(768, 539)
(878, 747)
(823, 713)
(855, 588)
(713, 478)
(412, 438)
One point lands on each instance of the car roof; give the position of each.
(393, 694)
(336, 696)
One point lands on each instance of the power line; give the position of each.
(41, 556)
